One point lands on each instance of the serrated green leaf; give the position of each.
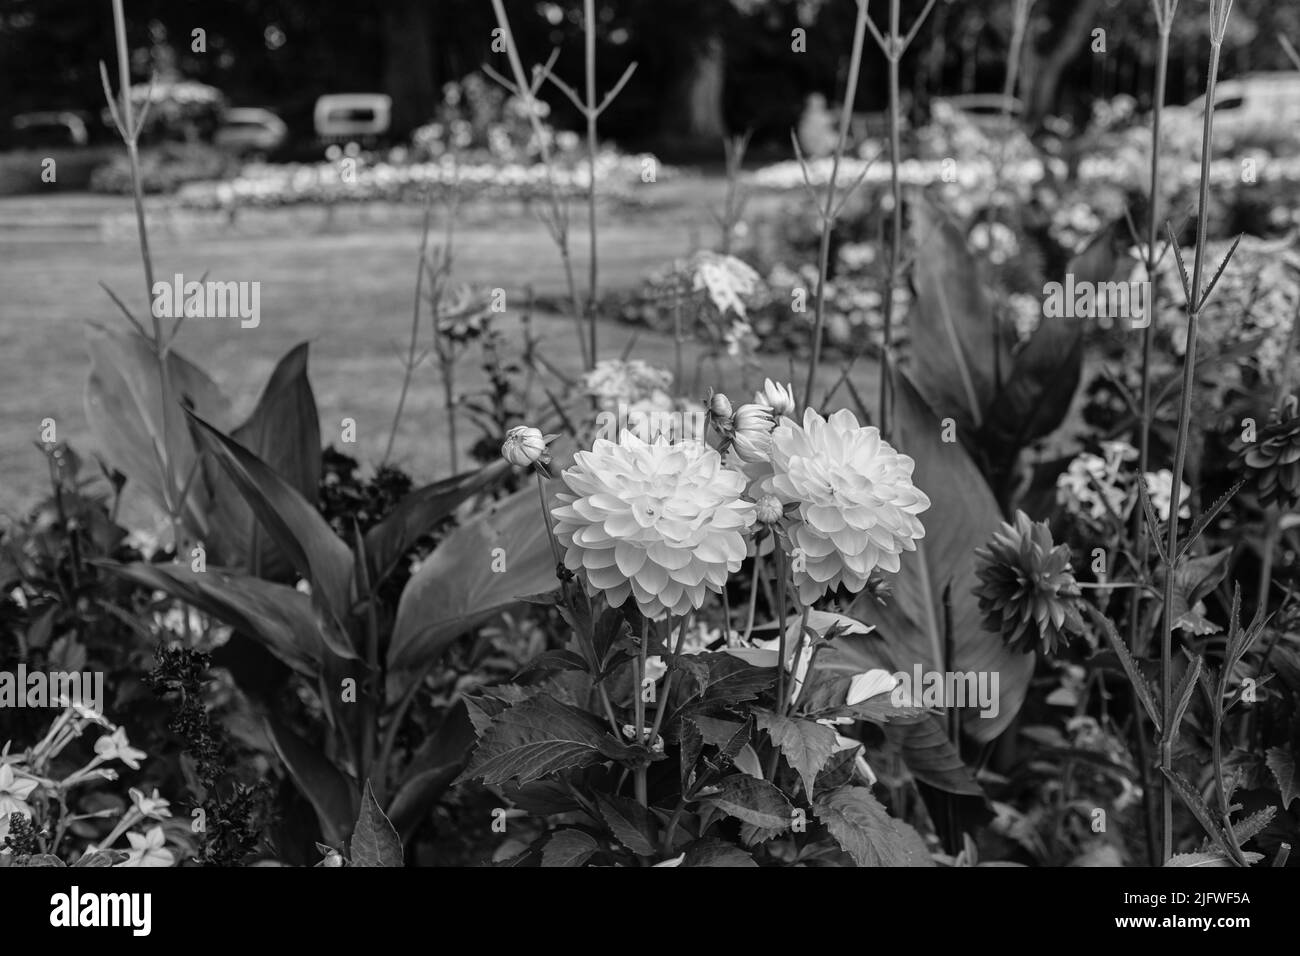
(716, 853)
(568, 848)
(1282, 763)
(805, 744)
(753, 801)
(631, 823)
(862, 828)
(534, 738)
(374, 840)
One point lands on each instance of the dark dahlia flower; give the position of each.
(1027, 590)
(1273, 462)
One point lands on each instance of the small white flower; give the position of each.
(14, 791)
(148, 849)
(1160, 489)
(154, 806)
(115, 746)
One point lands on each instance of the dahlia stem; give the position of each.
(780, 625)
(638, 710)
(798, 657)
(662, 707)
(546, 520)
(753, 599)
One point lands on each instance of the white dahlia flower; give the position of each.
(662, 523)
(857, 505)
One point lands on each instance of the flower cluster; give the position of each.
(28, 792)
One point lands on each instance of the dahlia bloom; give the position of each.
(857, 506)
(1027, 590)
(661, 523)
(1273, 462)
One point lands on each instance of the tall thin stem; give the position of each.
(896, 229)
(593, 113)
(823, 256)
(410, 362)
(1164, 18)
(130, 136)
(559, 218)
(1180, 449)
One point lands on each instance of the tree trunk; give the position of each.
(1043, 71)
(408, 63)
(695, 119)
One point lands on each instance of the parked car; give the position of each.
(245, 130)
(990, 112)
(344, 117)
(51, 128)
(1256, 100)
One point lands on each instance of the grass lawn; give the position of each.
(347, 289)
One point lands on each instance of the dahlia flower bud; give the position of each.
(524, 446)
(720, 407)
(752, 432)
(778, 397)
(769, 509)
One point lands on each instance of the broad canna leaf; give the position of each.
(124, 408)
(331, 792)
(419, 512)
(279, 617)
(961, 517)
(284, 432)
(432, 769)
(487, 564)
(297, 528)
(958, 355)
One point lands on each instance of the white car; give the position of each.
(349, 116)
(1256, 100)
(53, 128)
(250, 130)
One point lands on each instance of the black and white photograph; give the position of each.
(488, 434)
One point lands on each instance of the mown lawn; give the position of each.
(346, 289)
